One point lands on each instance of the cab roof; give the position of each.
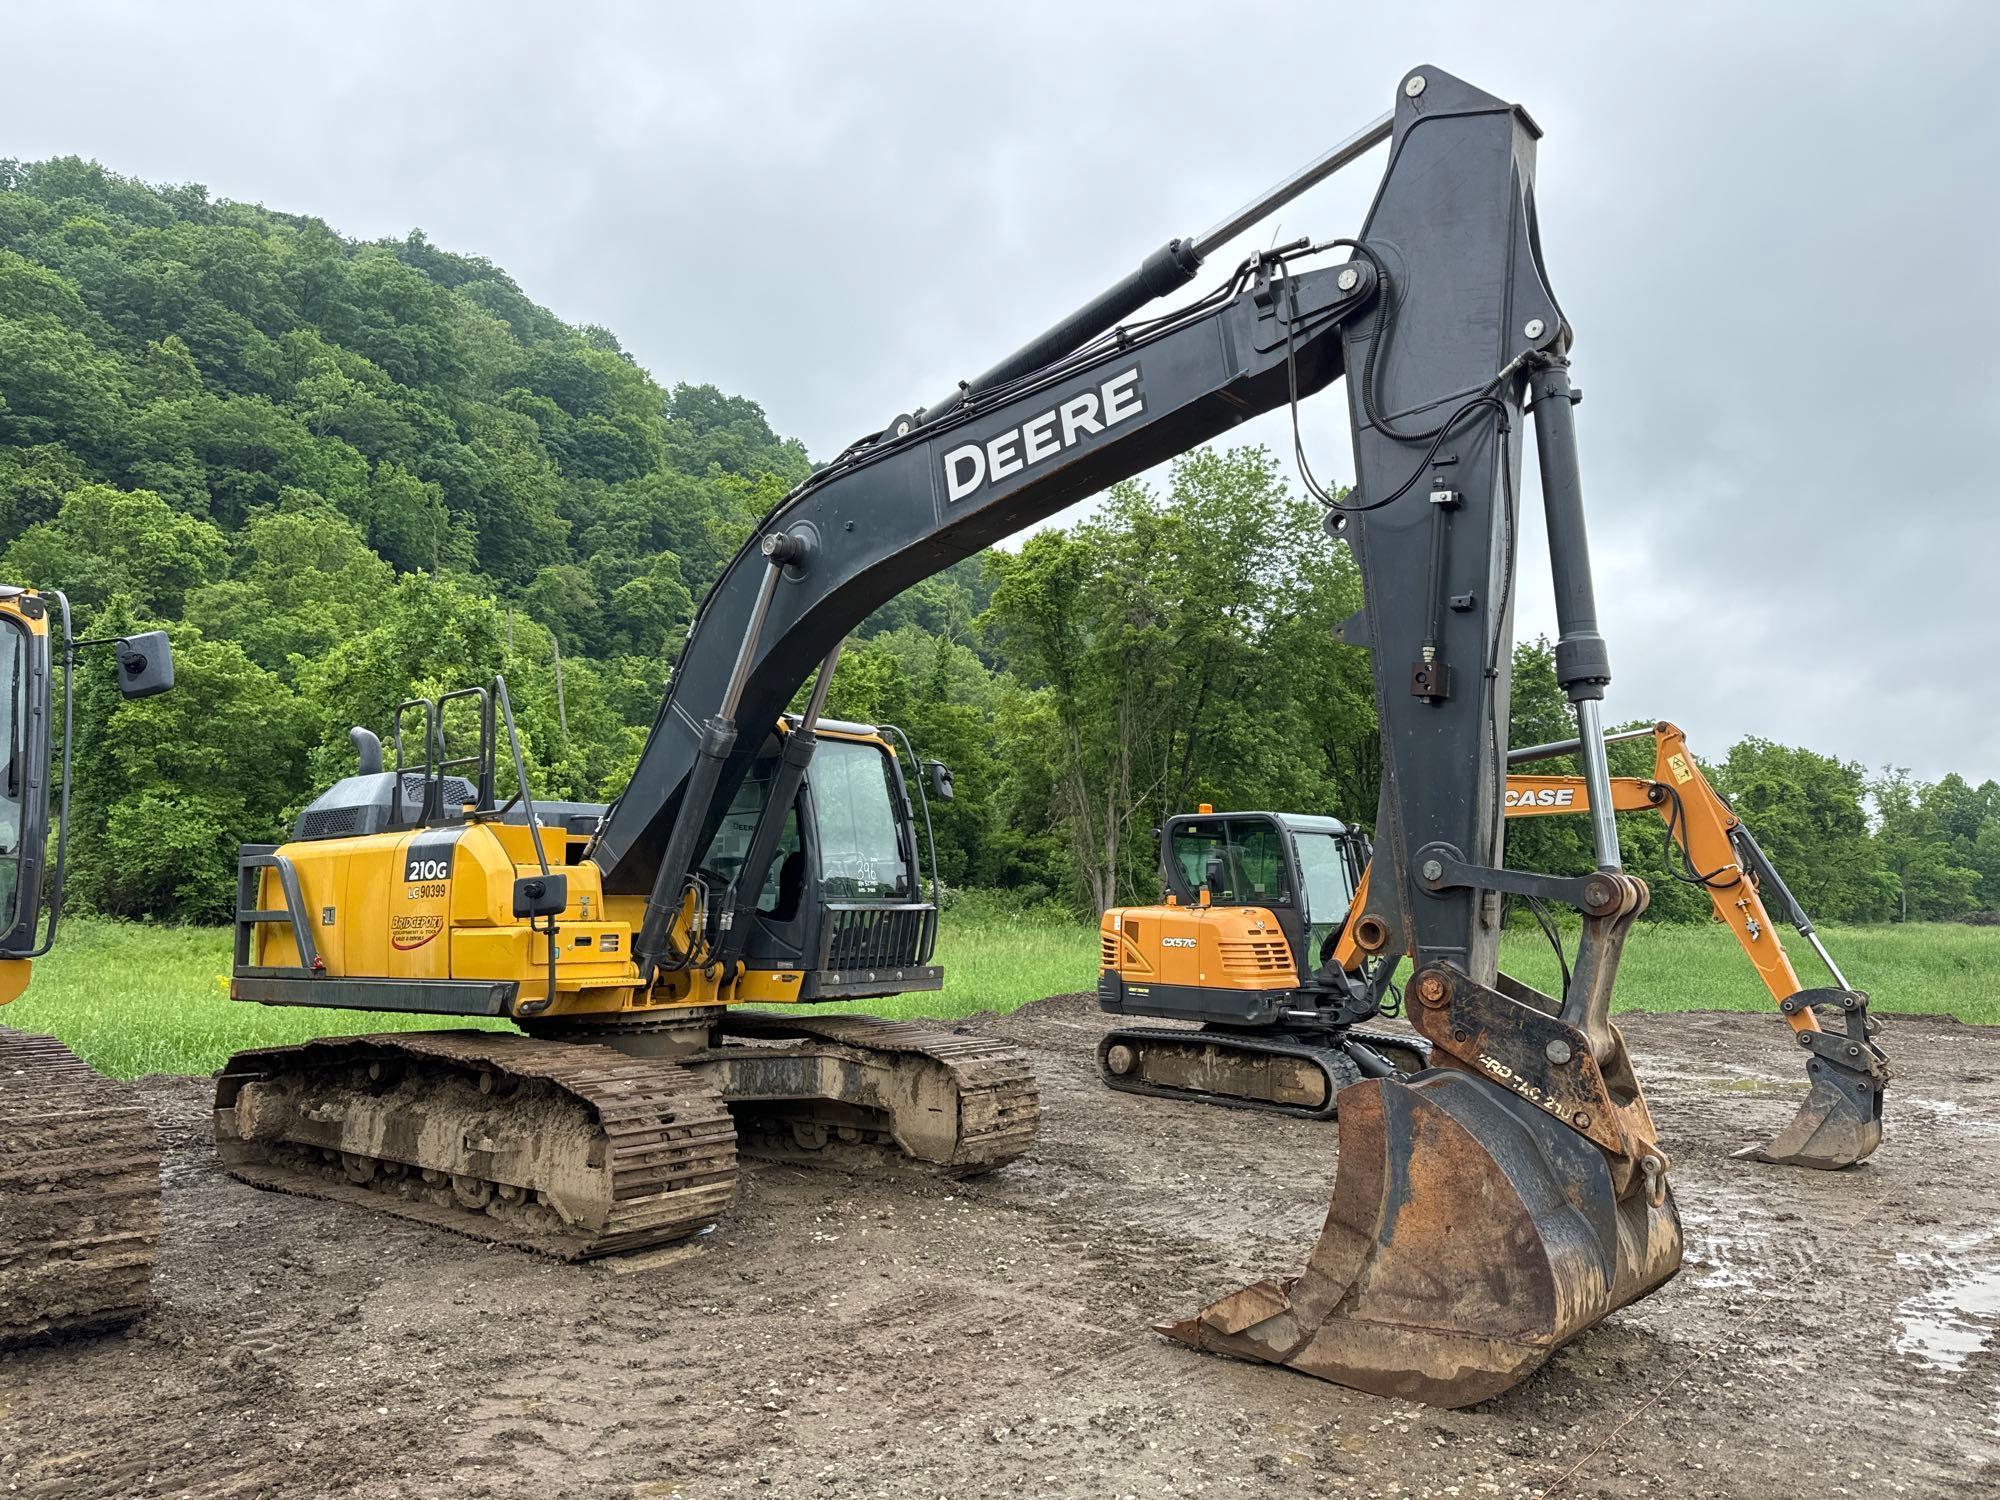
(1295, 822)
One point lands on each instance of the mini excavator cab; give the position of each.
(1303, 870)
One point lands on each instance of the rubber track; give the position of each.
(1396, 1040)
(1000, 1108)
(1338, 1067)
(79, 1194)
(671, 1143)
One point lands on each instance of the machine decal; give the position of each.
(411, 931)
(429, 859)
(973, 466)
(1678, 765)
(1548, 796)
(1178, 942)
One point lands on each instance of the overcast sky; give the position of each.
(1775, 229)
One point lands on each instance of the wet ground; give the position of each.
(840, 1335)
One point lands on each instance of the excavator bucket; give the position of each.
(1840, 1121)
(1835, 1127)
(1470, 1235)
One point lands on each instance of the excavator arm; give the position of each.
(1840, 1122)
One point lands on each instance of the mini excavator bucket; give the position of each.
(1470, 1235)
(1840, 1121)
(1834, 1128)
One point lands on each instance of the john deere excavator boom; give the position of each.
(1486, 1210)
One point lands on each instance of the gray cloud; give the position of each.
(1773, 228)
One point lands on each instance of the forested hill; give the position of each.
(345, 474)
(342, 472)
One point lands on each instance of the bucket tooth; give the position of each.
(1470, 1236)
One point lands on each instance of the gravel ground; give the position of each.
(842, 1334)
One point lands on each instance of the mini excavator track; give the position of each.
(561, 1147)
(1275, 1073)
(79, 1194)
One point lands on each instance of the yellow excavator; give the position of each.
(1258, 906)
(79, 1165)
(655, 956)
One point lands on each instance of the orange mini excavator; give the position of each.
(1261, 939)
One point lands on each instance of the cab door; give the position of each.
(1250, 856)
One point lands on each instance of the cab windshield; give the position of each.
(862, 856)
(1248, 855)
(1323, 872)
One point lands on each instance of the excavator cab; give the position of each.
(29, 884)
(843, 901)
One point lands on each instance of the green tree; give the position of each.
(106, 542)
(1145, 623)
(1807, 811)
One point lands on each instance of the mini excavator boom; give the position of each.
(1840, 1121)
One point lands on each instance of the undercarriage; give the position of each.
(585, 1148)
(79, 1194)
(1289, 1073)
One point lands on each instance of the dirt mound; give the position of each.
(845, 1336)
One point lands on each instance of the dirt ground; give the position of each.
(844, 1335)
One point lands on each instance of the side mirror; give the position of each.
(145, 664)
(540, 896)
(1218, 872)
(940, 774)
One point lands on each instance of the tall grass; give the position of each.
(133, 999)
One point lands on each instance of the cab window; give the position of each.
(731, 844)
(1252, 855)
(1323, 873)
(860, 833)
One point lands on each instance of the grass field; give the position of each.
(136, 1000)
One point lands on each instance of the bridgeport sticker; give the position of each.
(413, 931)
